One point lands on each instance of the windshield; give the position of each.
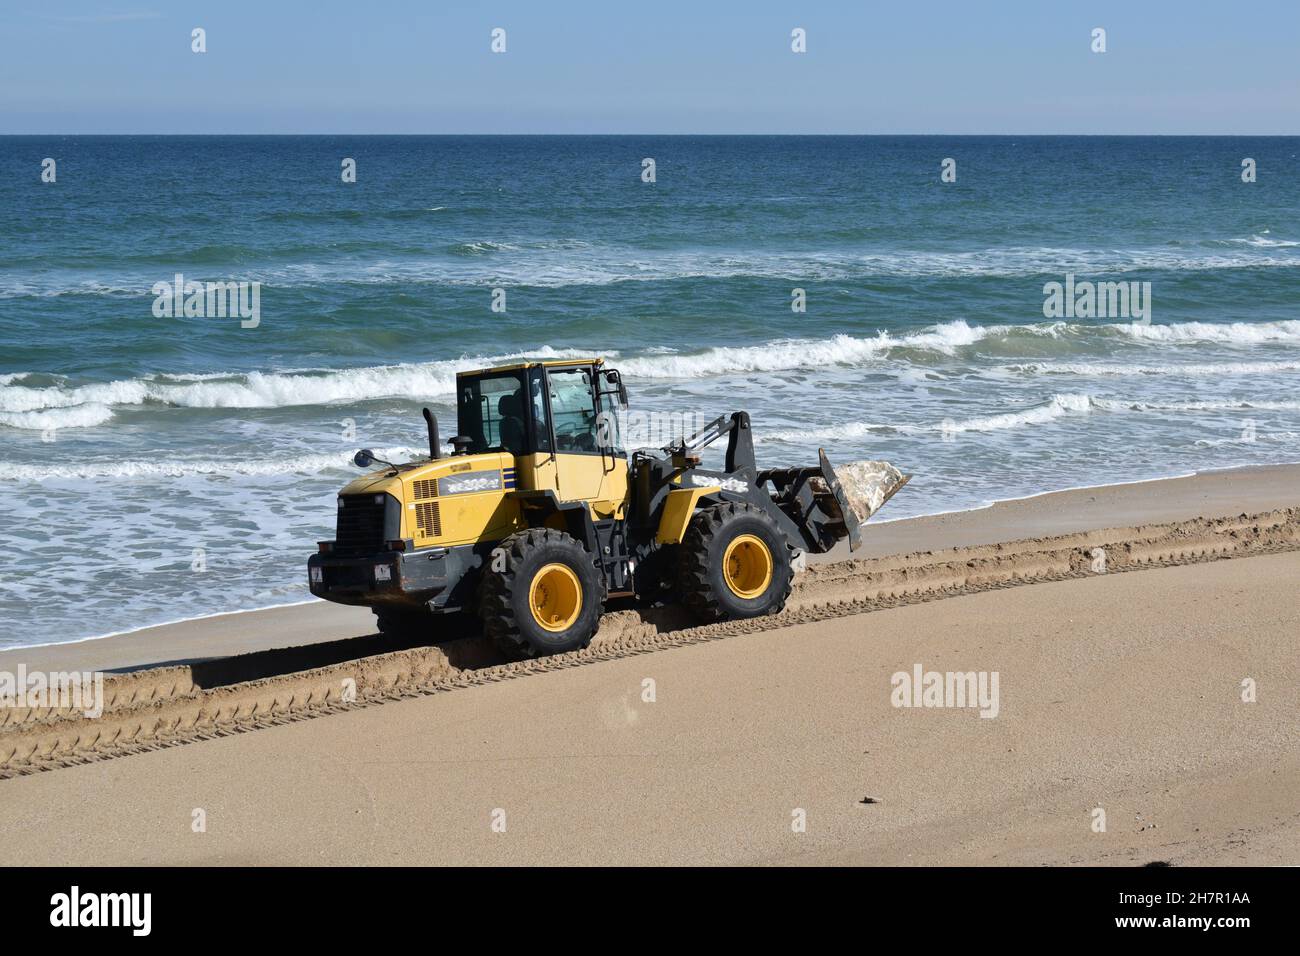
(573, 409)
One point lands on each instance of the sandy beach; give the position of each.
(1119, 692)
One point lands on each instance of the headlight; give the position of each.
(316, 576)
(383, 572)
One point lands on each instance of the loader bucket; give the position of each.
(851, 519)
(860, 489)
(824, 507)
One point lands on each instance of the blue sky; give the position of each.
(392, 66)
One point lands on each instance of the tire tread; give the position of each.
(693, 567)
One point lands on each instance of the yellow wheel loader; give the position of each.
(537, 517)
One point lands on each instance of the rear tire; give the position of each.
(547, 600)
(734, 564)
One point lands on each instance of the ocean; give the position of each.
(161, 467)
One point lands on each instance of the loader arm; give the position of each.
(811, 504)
(740, 441)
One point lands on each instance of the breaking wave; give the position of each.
(1116, 369)
(78, 416)
(431, 380)
(261, 389)
(1230, 333)
(1058, 406)
(182, 468)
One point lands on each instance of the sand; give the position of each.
(1118, 691)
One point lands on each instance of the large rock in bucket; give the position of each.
(867, 485)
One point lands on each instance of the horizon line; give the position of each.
(700, 135)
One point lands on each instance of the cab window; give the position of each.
(573, 410)
(490, 412)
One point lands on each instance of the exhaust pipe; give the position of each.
(434, 445)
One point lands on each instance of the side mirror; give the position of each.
(364, 458)
(613, 377)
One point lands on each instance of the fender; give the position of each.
(538, 506)
(679, 508)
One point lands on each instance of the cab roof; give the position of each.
(533, 363)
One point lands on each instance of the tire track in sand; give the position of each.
(168, 706)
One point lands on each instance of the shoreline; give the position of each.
(147, 627)
(1060, 491)
(1211, 493)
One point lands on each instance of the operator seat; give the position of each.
(514, 437)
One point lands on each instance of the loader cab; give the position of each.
(558, 419)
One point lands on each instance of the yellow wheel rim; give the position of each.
(747, 566)
(555, 597)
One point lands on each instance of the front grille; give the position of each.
(361, 524)
(428, 518)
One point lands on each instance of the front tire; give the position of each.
(546, 600)
(734, 564)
